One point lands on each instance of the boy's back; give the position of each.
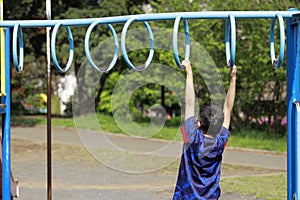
(204, 142)
(199, 171)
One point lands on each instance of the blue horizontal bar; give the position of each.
(151, 17)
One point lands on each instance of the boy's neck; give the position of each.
(206, 135)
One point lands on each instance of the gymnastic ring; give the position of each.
(175, 40)
(230, 40)
(87, 51)
(277, 62)
(17, 34)
(123, 45)
(53, 51)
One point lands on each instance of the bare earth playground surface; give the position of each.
(78, 175)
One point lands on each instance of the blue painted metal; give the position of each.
(123, 45)
(293, 33)
(2, 110)
(230, 40)
(175, 40)
(152, 17)
(187, 40)
(277, 62)
(6, 125)
(53, 49)
(18, 35)
(297, 152)
(290, 71)
(293, 47)
(87, 51)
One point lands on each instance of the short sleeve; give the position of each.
(224, 135)
(189, 129)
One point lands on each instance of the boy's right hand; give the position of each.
(186, 64)
(233, 71)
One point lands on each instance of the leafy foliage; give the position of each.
(260, 90)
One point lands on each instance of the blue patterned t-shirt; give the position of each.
(200, 166)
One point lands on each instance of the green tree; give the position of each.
(32, 80)
(260, 89)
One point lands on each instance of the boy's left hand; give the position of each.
(186, 65)
(233, 71)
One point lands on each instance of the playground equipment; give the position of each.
(14, 189)
(291, 17)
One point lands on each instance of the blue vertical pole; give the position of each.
(6, 125)
(293, 145)
(297, 139)
(291, 46)
(290, 63)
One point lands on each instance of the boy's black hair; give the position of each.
(211, 118)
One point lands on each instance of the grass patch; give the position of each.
(244, 138)
(108, 124)
(257, 140)
(262, 187)
(30, 120)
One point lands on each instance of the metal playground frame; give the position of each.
(289, 34)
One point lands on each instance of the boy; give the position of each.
(204, 142)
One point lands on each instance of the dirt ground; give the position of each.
(78, 175)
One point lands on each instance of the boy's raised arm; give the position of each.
(189, 90)
(229, 100)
